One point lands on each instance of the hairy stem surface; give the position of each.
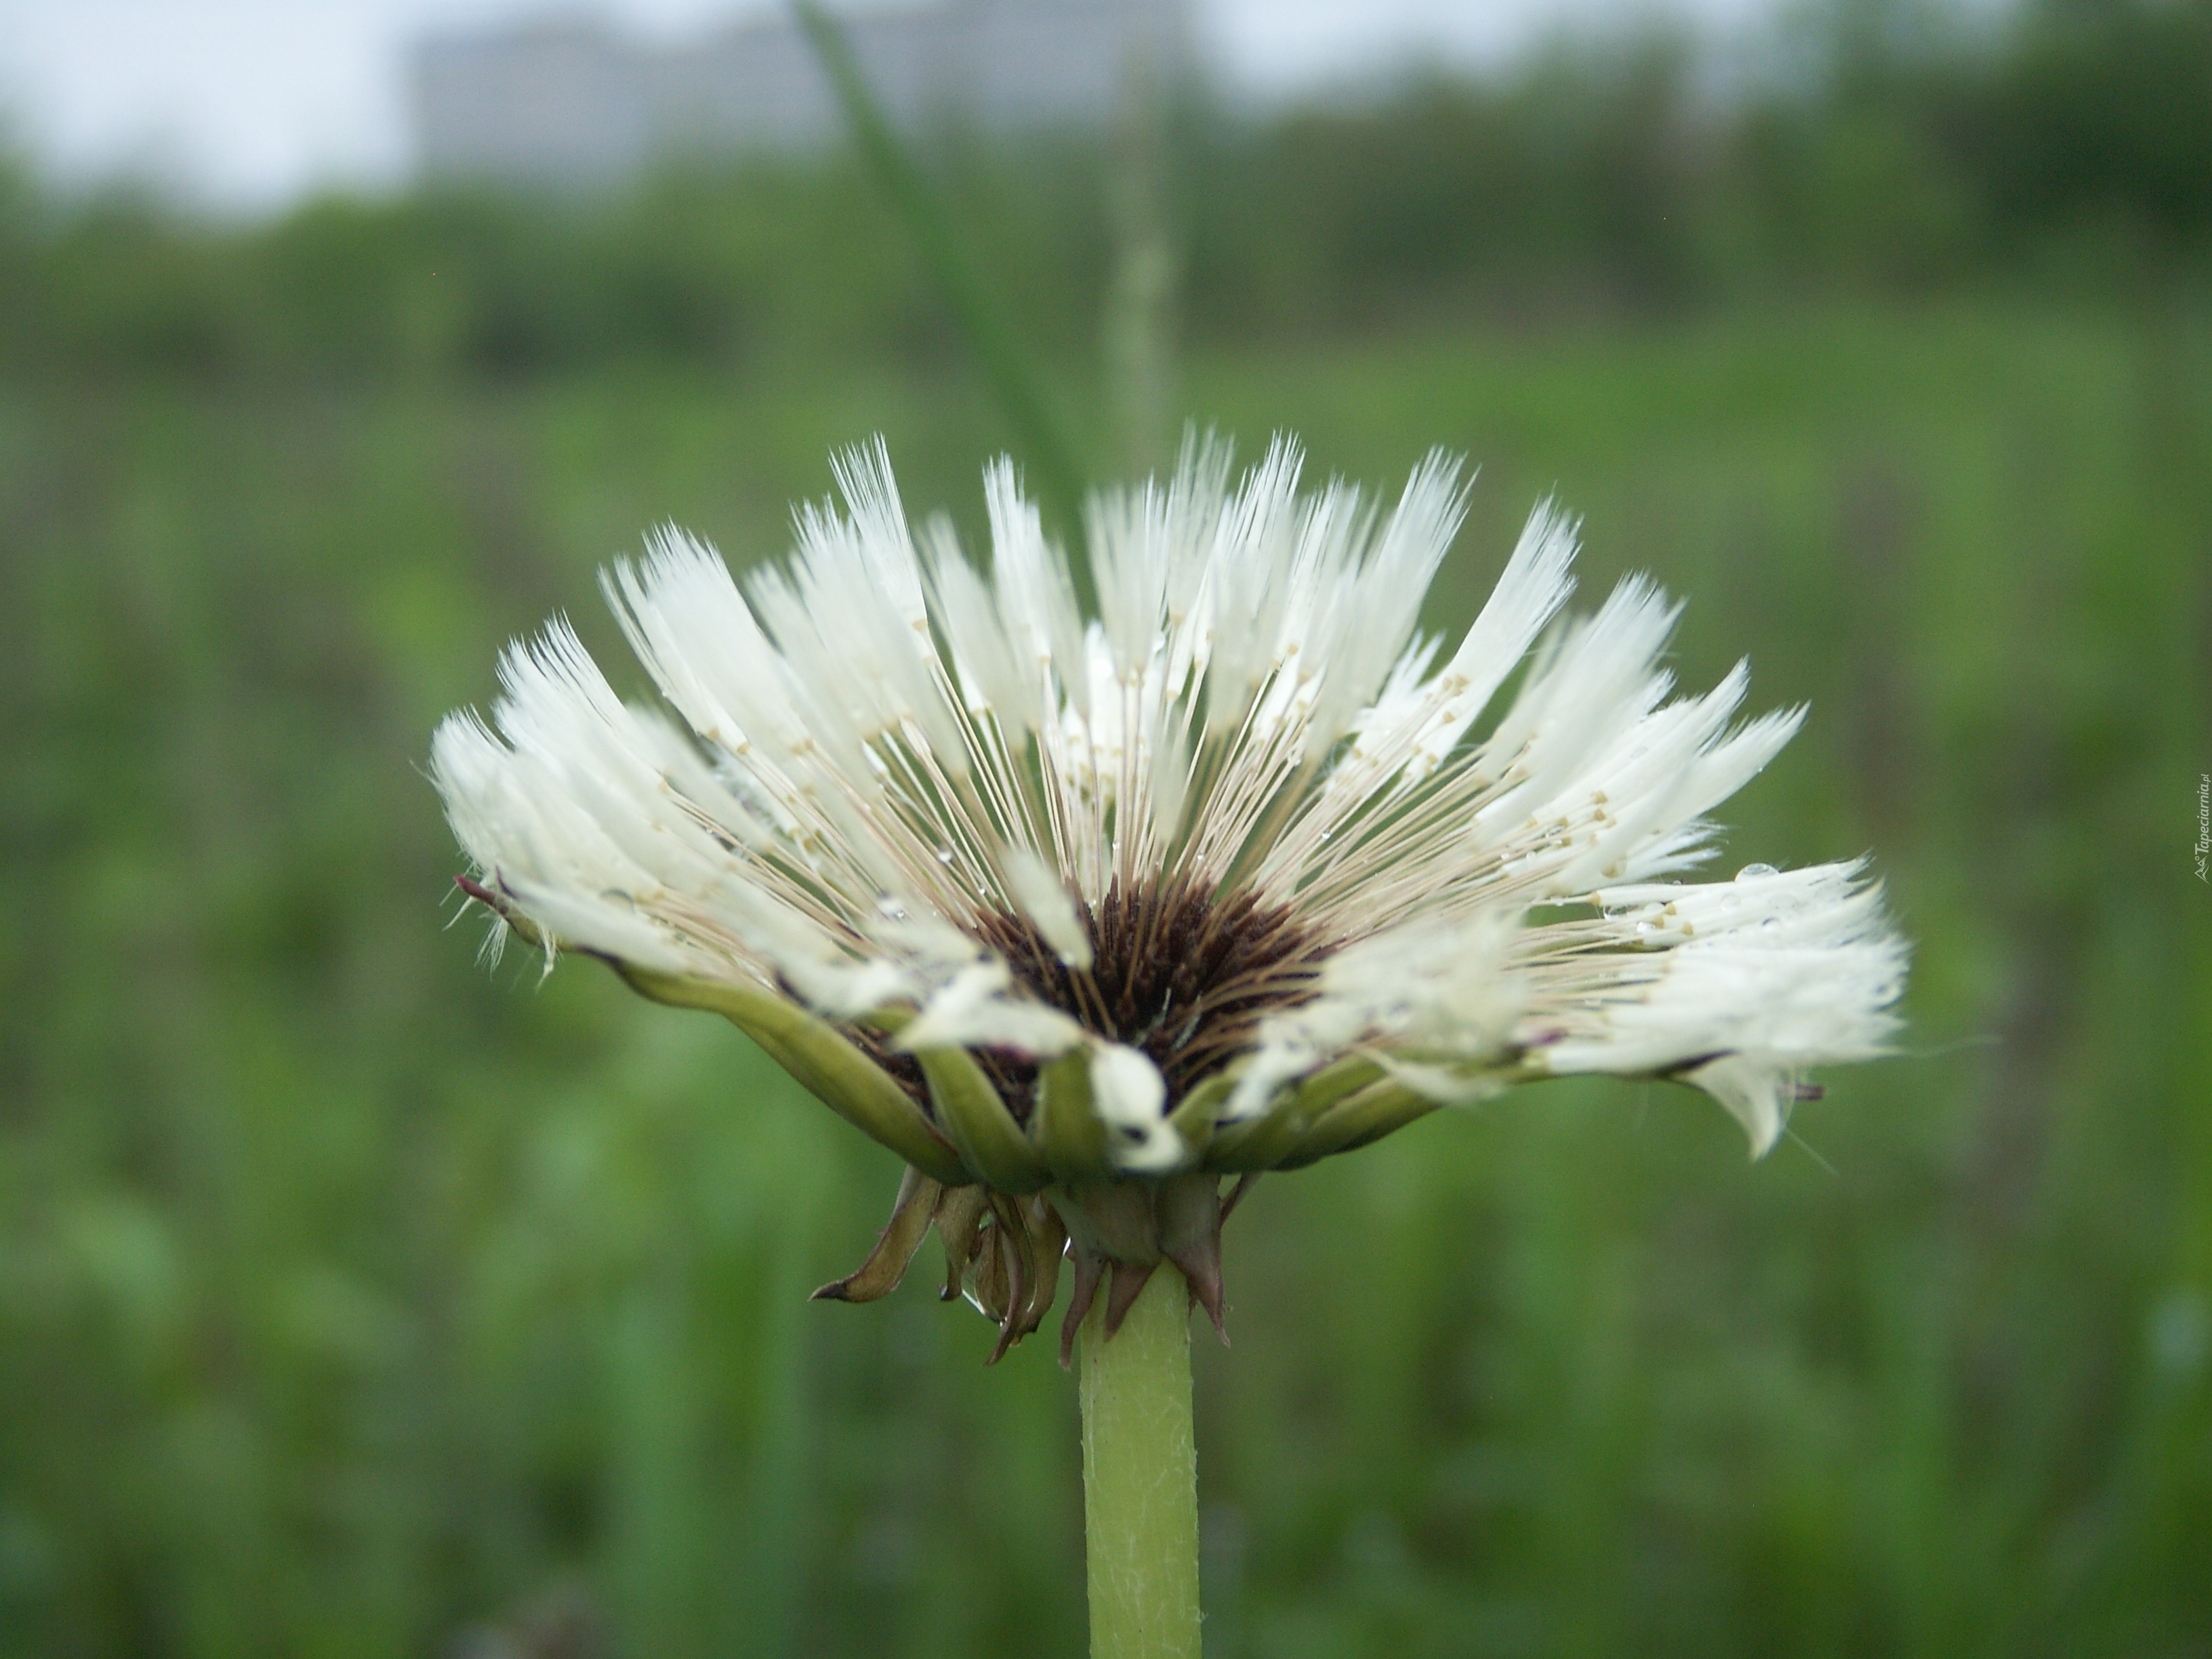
(1140, 1477)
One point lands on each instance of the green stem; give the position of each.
(1140, 1477)
(1054, 456)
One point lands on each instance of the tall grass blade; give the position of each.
(1055, 458)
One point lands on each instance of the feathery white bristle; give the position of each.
(1130, 1095)
(979, 1008)
(1041, 897)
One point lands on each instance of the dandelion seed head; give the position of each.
(1081, 911)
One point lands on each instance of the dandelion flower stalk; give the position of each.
(1093, 918)
(1140, 1478)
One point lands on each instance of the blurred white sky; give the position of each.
(248, 102)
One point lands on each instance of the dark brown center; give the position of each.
(1177, 971)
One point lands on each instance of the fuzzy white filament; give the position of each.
(886, 752)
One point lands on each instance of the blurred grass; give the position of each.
(354, 1299)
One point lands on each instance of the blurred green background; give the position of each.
(358, 1301)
